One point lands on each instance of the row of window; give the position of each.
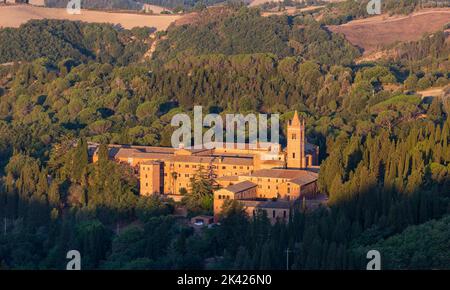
(214, 167)
(273, 213)
(145, 168)
(276, 187)
(259, 186)
(268, 179)
(202, 167)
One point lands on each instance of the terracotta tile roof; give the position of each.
(275, 204)
(228, 178)
(191, 159)
(149, 149)
(134, 153)
(266, 203)
(124, 153)
(118, 152)
(214, 160)
(307, 178)
(241, 186)
(258, 146)
(230, 154)
(151, 162)
(198, 156)
(234, 161)
(273, 162)
(183, 151)
(250, 203)
(297, 176)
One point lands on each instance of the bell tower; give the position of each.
(296, 143)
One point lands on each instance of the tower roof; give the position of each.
(295, 120)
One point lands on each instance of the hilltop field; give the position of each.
(377, 32)
(15, 15)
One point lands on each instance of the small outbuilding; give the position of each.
(202, 220)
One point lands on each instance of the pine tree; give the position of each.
(265, 261)
(103, 153)
(42, 185)
(53, 194)
(201, 189)
(80, 160)
(241, 260)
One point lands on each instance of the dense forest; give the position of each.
(245, 32)
(81, 42)
(384, 150)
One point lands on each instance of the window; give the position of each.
(146, 184)
(294, 136)
(146, 176)
(223, 167)
(284, 214)
(273, 213)
(186, 166)
(293, 155)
